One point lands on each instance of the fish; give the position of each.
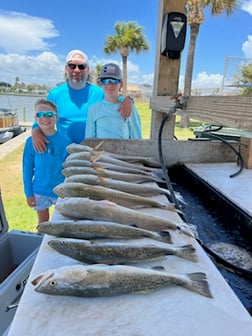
(69, 171)
(89, 229)
(77, 163)
(79, 156)
(105, 165)
(74, 148)
(84, 208)
(77, 189)
(116, 253)
(106, 158)
(108, 281)
(130, 187)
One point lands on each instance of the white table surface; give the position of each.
(174, 311)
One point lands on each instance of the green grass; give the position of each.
(19, 215)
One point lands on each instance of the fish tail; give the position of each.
(165, 236)
(156, 177)
(187, 252)
(198, 283)
(169, 207)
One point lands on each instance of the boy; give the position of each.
(103, 118)
(42, 171)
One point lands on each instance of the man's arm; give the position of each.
(39, 140)
(125, 108)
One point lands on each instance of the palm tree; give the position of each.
(129, 37)
(195, 17)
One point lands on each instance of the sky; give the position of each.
(35, 37)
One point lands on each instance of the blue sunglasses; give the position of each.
(107, 81)
(45, 114)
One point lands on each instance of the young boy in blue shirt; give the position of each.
(103, 118)
(42, 171)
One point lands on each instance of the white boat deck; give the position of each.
(171, 311)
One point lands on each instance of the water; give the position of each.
(216, 221)
(24, 106)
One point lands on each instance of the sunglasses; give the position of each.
(73, 66)
(107, 81)
(45, 114)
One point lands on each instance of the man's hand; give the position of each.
(39, 140)
(125, 108)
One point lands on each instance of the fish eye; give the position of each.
(53, 283)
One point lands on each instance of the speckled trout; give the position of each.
(129, 177)
(90, 229)
(77, 189)
(143, 189)
(106, 165)
(105, 281)
(84, 208)
(116, 253)
(74, 148)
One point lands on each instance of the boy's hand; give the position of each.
(31, 201)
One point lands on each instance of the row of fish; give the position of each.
(98, 206)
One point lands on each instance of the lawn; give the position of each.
(19, 215)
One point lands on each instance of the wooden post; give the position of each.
(166, 76)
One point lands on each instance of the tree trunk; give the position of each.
(125, 79)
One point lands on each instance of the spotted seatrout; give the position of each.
(89, 229)
(77, 189)
(115, 253)
(84, 208)
(104, 280)
(129, 177)
(130, 187)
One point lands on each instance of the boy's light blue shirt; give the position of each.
(104, 121)
(73, 107)
(42, 171)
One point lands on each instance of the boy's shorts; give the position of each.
(44, 202)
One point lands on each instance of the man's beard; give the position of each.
(77, 84)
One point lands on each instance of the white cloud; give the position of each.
(46, 68)
(247, 6)
(20, 32)
(247, 47)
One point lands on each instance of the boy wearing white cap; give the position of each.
(103, 119)
(73, 98)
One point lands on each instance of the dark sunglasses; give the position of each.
(107, 81)
(47, 114)
(73, 66)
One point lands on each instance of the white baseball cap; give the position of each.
(74, 52)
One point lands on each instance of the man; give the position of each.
(73, 98)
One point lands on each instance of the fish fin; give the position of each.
(185, 228)
(95, 156)
(170, 208)
(199, 284)
(187, 252)
(99, 145)
(109, 203)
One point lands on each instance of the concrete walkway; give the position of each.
(14, 143)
